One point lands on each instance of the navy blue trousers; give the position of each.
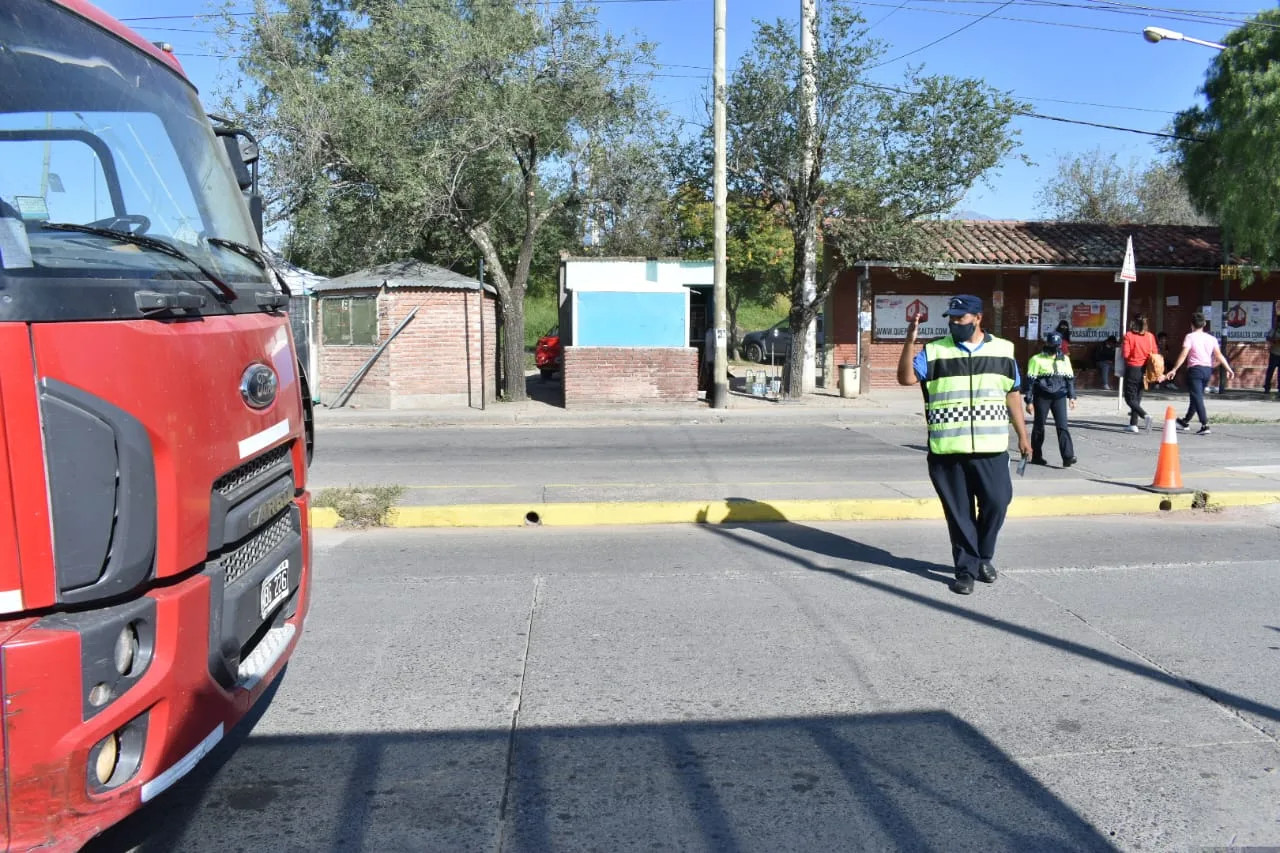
(975, 490)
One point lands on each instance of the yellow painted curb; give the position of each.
(754, 512)
(324, 517)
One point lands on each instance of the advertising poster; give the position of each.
(1091, 319)
(1248, 321)
(894, 312)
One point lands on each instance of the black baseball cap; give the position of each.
(963, 304)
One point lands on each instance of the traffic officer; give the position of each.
(1051, 387)
(971, 389)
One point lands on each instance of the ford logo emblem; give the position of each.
(258, 386)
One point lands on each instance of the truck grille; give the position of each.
(240, 560)
(228, 483)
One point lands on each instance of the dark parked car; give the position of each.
(549, 354)
(773, 342)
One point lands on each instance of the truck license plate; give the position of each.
(275, 588)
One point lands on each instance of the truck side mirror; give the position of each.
(243, 153)
(238, 164)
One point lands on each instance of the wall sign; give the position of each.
(892, 313)
(1090, 319)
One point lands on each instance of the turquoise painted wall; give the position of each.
(612, 319)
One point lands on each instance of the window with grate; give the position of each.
(349, 320)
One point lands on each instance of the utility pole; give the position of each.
(808, 144)
(718, 393)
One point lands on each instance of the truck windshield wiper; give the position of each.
(252, 254)
(214, 282)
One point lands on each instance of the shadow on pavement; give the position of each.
(923, 781)
(826, 544)
(160, 824)
(1132, 665)
(550, 392)
(1116, 426)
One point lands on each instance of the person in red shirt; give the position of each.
(1138, 346)
(1064, 329)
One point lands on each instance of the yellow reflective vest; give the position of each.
(966, 395)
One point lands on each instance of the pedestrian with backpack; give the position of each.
(1199, 351)
(1138, 348)
(1050, 387)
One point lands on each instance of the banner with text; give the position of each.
(1246, 321)
(894, 312)
(1091, 319)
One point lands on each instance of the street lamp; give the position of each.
(1158, 34)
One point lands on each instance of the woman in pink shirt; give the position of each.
(1200, 351)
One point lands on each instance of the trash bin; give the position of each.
(849, 380)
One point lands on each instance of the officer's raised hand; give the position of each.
(906, 371)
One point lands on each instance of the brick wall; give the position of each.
(594, 375)
(430, 362)
(437, 358)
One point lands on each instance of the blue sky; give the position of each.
(1077, 59)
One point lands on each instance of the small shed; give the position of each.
(445, 355)
(632, 328)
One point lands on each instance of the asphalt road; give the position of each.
(489, 464)
(768, 688)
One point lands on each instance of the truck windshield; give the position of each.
(93, 132)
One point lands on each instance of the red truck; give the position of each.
(155, 433)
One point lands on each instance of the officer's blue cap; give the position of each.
(964, 304)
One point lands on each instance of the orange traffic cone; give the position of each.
(1168, 469)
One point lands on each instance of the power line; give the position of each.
(251, 14)
(1101, 106)
(1189, 15)
(1084, 4)
(954, 32)
(1134, 8)
(1160, 134)
(1061, 119)
(1003, 17)
(887, 16)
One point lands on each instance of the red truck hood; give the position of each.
(181, 380)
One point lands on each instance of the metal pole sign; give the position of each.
(1128, 273)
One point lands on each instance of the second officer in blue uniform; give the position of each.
(1051, 387)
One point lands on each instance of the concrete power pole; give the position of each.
(718, 393)
(808, 144)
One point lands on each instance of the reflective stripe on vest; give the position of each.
(965, 396)
(1042, 364)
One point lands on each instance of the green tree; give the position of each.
(757, 252)
(1229, 151)
(397, 129)
(891, 160)
(1095, 187)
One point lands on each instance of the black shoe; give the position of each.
(1204, 430)
(963, 584)
(987, 573)
(1067, 463)
(1184, 424)
(1039, 460)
